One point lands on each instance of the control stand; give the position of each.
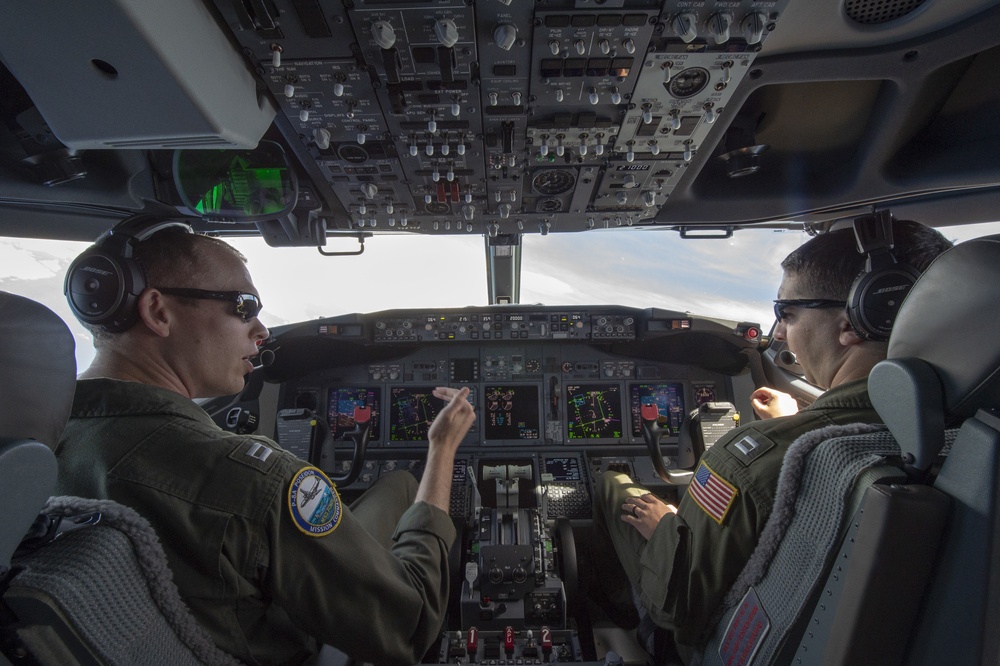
(511, 577)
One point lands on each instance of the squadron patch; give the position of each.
(711, 492)
(313, 502)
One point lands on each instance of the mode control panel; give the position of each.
(503, 326)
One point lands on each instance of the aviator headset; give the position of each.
(879, 290)
(103, 284)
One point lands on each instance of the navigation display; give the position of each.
(340, 409)
(511, 412)
(669, 399)
(411, 411)
(593, 411)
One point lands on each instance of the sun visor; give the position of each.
(134, 74)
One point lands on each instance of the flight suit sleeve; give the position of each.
(342, 587)
(693, 558)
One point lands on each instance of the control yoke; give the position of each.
(321, 440)
(651, 433)
(359, 436)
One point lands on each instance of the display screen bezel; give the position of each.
(490, 438)
(337, 425)
(616, 387)
(393, 412)
(634, 406)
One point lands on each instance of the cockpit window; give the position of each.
(734, 278)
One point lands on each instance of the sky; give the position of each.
(733, 278)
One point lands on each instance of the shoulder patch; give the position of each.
(313, 502)
(712, 493)
(747, 449)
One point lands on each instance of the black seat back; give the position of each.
(861, 598)
(90, 583)
(37, 381)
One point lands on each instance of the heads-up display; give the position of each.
(511, 412)
(593, 411)
(340, 409)
(669, 399)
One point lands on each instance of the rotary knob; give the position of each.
(753, 27)
(446, 32)
(718, 25)
(685, 25)
(384, 34)
(504, 36)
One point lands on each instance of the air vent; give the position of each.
(872, 12)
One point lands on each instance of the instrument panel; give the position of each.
(557, 387)
(575, 405)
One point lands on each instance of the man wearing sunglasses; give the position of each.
(266, 577)
(681, 560)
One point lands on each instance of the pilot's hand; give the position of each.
(768, 403)
(644, 513)
(453, 422)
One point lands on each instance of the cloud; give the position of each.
(734, 278)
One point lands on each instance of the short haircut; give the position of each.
(169, 258)
(827, 266)
(176, 258)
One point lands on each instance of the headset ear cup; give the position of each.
(875, 299)
(102, 289)
(104, 283)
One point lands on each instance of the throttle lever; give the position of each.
(359, 436)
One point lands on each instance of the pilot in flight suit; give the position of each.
(694, 556)
(264, 575)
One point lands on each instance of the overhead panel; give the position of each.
(497, 117)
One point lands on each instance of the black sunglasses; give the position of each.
(782, 303)
(247, 305)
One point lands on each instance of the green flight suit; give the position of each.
(683, 572)
(374, 586)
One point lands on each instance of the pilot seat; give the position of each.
(82, 581)
(881, 547)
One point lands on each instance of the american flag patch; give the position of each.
(712, 493)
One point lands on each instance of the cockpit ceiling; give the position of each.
(502, 118)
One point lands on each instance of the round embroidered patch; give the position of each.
(313, 502)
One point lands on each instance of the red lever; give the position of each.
(508, 640)
(472, 642)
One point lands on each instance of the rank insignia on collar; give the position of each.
(314, 503)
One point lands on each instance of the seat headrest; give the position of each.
(37, 371)
(950, 320)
